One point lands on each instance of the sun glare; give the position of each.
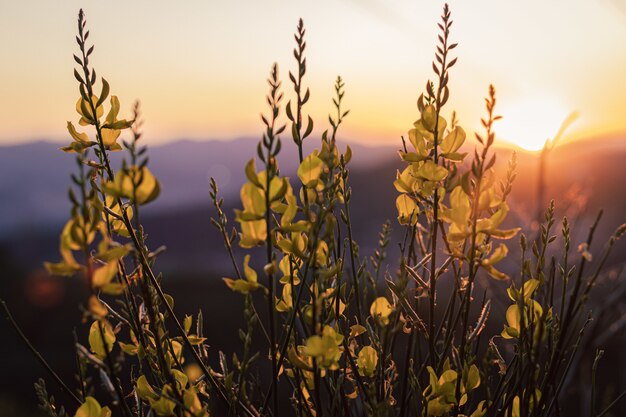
(529, 122)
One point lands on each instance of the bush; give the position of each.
(339, 335)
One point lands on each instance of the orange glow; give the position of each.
(530, 122)
(199, 68)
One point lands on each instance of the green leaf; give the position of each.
(251, 173)
(105, 92)
(118, 125)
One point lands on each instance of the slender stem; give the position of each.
(270, 277)
(610, 406)
(114, 379)
(355, 280)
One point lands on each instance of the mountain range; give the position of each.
(582, 177)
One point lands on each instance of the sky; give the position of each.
(199, 67)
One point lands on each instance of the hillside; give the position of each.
(582, 177)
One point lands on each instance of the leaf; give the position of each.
(187, 322)
(118, 125)
(285, 303)
(453, 140)
(504, 234)
(252, 199)
(380, 310)
(310, 170)
(193, 403)
(356, 330)
(114, 254)
(253, 233)
(61, 269)
(83, 108)
(136, 184)
(241, 285)
(90, 408)
(113, 288)
(104, 93)
(181, 378)
(406, 182)
(480, 411)
(473, 378)
(309, 127)
(429, 117)
(81, 138)
(326, 349)
(407, 210)
(251, 173)
(250, 273)
(455, 156)
(96, 342)
(431, 171)
(104, 274)
(109, 136)
(297, 361)
(290, 213)
(164, 406)
(96, 308)
(498, 254)
(347, 157)
(412, 157)
(144, 390)
(367, 361)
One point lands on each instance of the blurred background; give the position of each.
(199, 69)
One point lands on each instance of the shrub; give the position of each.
(340, 335)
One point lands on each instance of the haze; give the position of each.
(199, 67)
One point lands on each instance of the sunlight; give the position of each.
(529, 122)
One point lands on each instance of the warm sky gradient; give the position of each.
(199, 67)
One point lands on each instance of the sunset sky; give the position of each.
(199, 67)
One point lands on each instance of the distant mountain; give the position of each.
(582, 177)
(35, 176)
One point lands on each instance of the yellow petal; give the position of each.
(104, 274)
(380, 310)
(79, 137)
(84, 109)
(310, 170)
(367, 361)
(90, 408)
(407, 210)
(109, 136)
(453, 140)
(250, 273)
(96, 342)
(115, 109)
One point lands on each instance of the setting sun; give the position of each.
(529, 122)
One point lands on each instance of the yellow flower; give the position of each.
(135, 183)
(380, 310)
(84, 108)
(326, 349)
(244, 286)
(367, 361)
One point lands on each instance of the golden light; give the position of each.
(529, 122)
